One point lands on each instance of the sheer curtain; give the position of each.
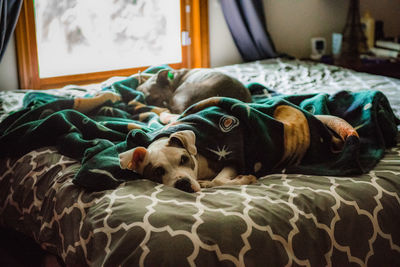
(247, 24)
(9, 12)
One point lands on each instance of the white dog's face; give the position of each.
(171, 161)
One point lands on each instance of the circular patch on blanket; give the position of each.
(227, 123)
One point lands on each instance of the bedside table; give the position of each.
(384, 68)
(390, 69)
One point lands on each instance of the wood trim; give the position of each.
(200, 35)
(95, 77)
(185, 24)
(196, 55)
(28, 68)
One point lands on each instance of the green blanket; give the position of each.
(246, 135)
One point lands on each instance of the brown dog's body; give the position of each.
(174, 160)
(176, 90)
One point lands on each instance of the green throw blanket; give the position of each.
(246, 135)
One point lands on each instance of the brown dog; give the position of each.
(174, 160)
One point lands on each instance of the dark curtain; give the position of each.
(9, 12)
(247, 24)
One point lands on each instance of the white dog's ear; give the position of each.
(185, 139)
(162, 77)
(133, 159)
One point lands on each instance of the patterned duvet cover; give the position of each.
(284, 219)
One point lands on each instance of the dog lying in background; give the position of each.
(176, 90)
(174, 160)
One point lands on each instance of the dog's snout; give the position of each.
(184, 184)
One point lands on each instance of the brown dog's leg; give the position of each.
(340, 127)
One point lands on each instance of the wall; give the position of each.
(8, 68)
(222, 49)
(291, 24)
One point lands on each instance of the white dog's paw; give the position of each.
(206, 183)
(245, 179)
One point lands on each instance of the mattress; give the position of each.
(283, 219)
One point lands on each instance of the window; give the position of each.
(85, 41)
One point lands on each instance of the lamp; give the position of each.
(354, 41)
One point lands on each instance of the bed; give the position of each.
(285, 219)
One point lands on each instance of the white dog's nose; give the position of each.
(184, 184)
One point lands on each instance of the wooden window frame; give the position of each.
(195, 55)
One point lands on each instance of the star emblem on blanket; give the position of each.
(221, 153)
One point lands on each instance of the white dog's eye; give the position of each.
(184, 160)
